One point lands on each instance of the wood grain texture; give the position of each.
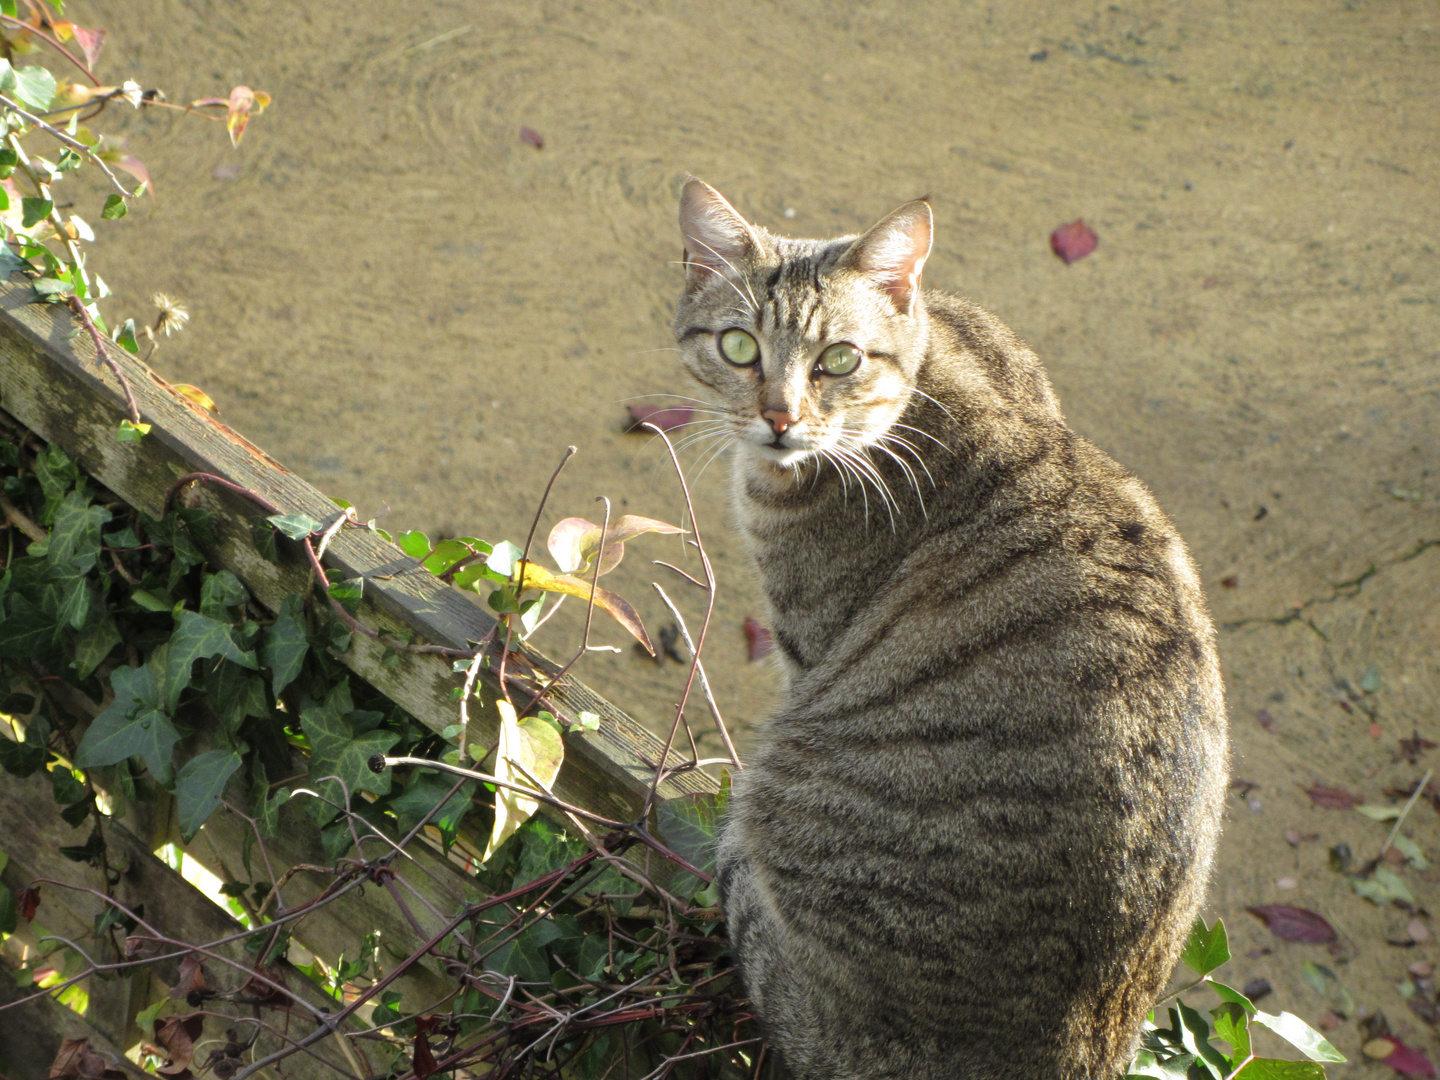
(50, 381)
(171, 905)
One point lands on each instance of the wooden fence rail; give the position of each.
(51, 383)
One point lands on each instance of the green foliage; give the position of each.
(1186, 1050)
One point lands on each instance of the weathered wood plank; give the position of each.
(50, 381)
(171, 904)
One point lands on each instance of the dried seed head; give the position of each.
(173, 316)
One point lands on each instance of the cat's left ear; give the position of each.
(894, 251)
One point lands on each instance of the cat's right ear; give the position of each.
(718, 241)
(893, 252)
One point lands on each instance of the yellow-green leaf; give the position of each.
(530, 751)
(537, 577)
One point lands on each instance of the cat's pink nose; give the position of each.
(780, 421)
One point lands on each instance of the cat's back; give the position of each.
(1000, 779)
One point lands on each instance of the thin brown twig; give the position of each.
(102, 353)
(704, 626)
(21, 24)
(524, 561)
(14, 516)
(74, 144)
(704, 682)
(589, 615)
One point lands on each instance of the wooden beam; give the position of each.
(51, 382)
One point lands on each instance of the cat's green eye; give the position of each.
(739, 347)
(840, 359)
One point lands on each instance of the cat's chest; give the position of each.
(820, 567)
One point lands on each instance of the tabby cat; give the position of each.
(970, 844)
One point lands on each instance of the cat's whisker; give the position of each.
(905, 444)
(724, 445)
(927, 397)
(749, 301)
(754, 304)
(865, 470)
(843, 471)
(695, 437)
(943, 446)
(677, 397)
(836, 457)
(910, 475)
(862, 458)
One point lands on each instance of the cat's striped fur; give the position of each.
(970, 844)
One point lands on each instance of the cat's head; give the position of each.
(811, 347)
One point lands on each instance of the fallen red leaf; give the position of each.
(1294, 924)
(1074, 241)
(30, 902)
(1409, 1061)
(664, 417)
(757, 637)
(530, 137)
(1332, 798)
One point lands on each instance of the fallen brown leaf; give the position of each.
(1295, 924)
(1332, 798)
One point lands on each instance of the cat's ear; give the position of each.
(894, 251)
(717, 239)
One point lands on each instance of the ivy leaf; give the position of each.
(348, 593)
(93, 644)
(35, 86)
(115, 208)
(503, 557)
(424, 794)
(529, 751)
(335, 750)
(1232, 1023)
(55, 471)
(198, 638)
(199, 785)
(28, 631)
(75, 537)
(125, 338)
(1206, 949)
(22, 759)
(236, 694)
(220, 592)
(544, 849)
(129, 431)
(284, 644)
(1300, 1035)
(525, 957)
(295, 526)
(1277, 1069)
(449, 552)
(414, 544)
(689, 825)
(33, 211)
(133, 726)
